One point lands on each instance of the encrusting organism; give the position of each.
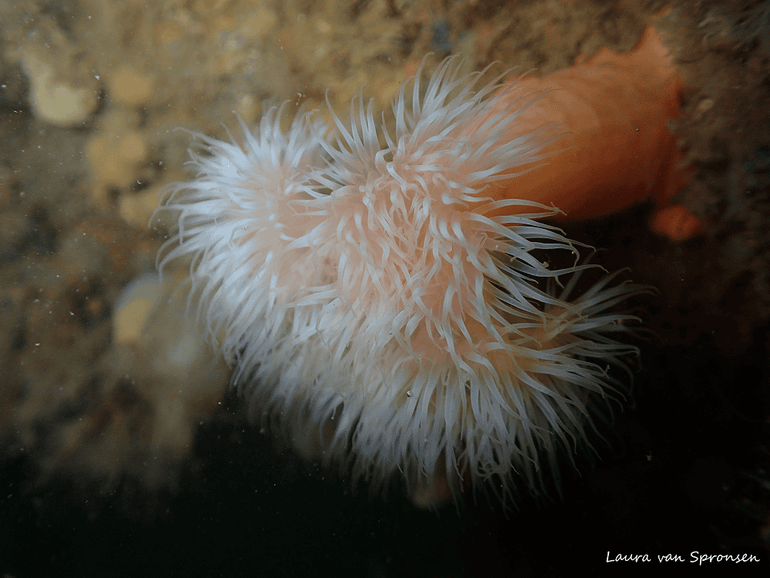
(385, 292)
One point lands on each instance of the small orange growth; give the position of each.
(618, 149)
(676, 223)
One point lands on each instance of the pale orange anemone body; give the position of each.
(617, 149)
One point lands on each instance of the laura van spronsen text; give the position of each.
(695, 557)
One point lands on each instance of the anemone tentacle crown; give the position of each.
(367, 291)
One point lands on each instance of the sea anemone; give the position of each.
(373, 296)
